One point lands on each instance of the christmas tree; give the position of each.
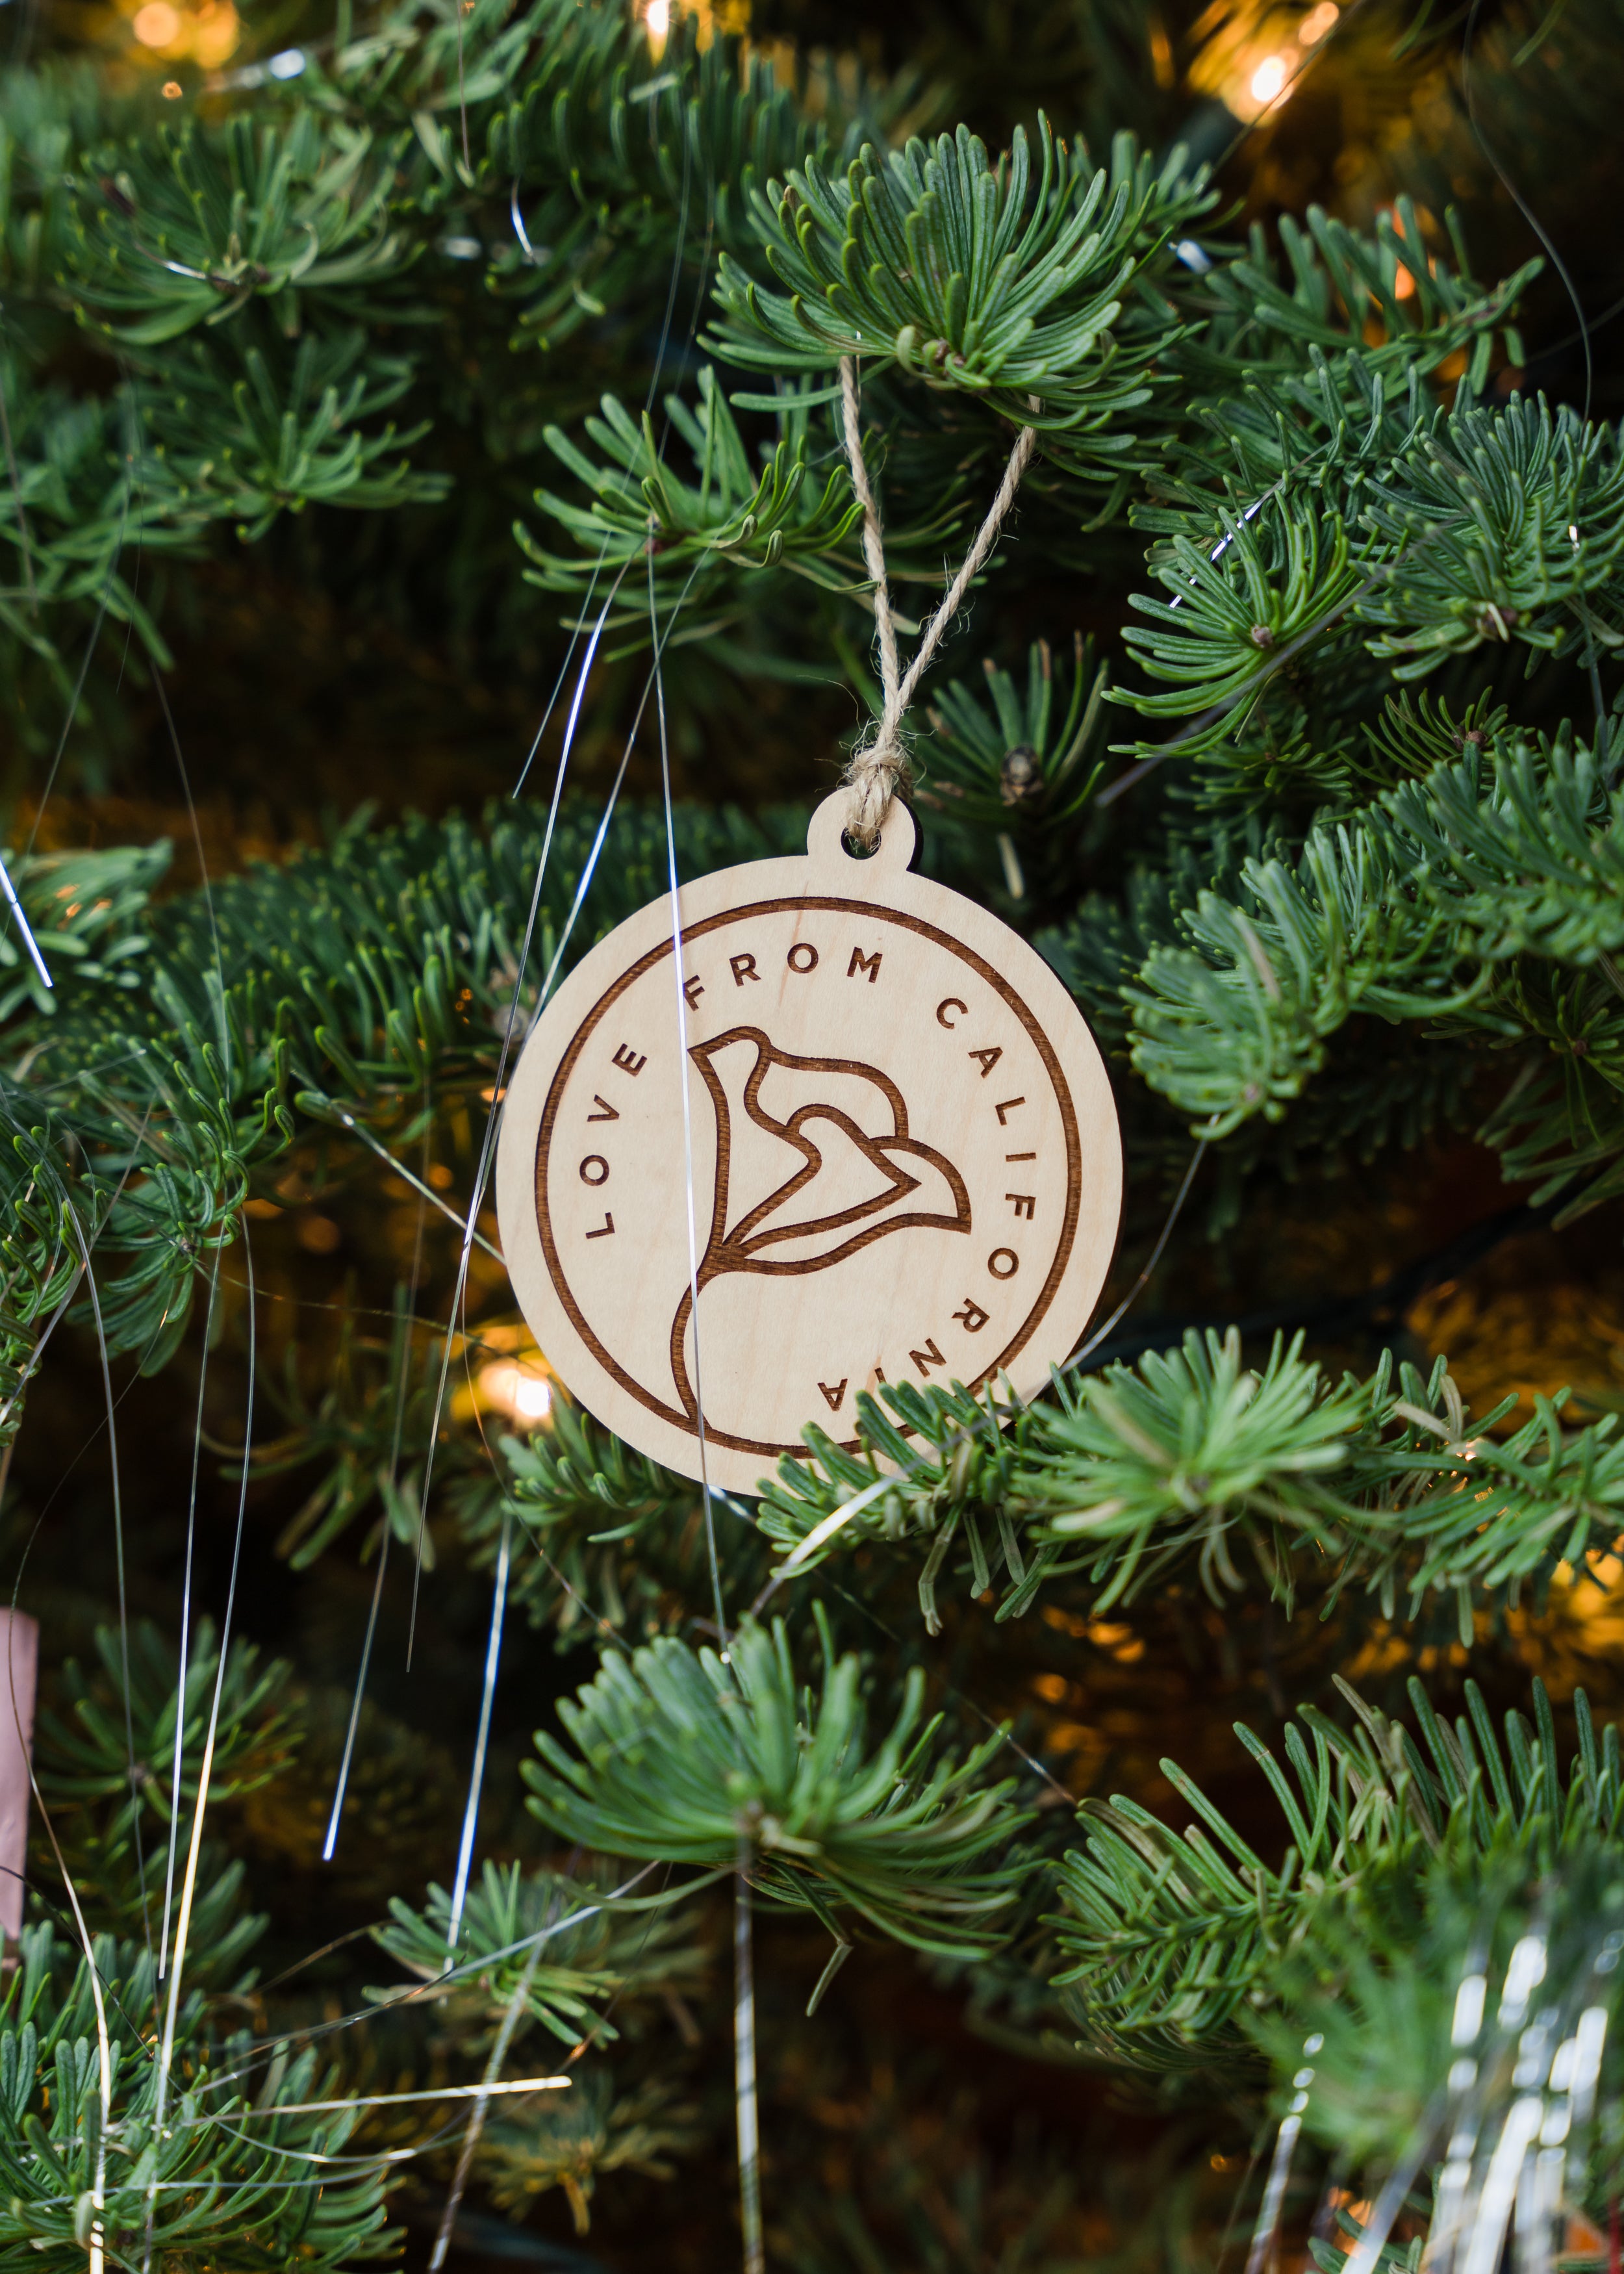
(452, 454)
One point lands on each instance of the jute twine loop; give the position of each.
(880, 764)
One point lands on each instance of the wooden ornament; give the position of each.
(906, 1159)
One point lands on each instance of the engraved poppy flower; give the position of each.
(814, 1161)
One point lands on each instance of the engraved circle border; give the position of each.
(645, 963)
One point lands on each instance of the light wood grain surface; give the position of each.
(904, 1158)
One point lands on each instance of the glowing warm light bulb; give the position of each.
(657, 26)
(1318, 24)
(531, 1398)
(157, 25)
(1268, 78)
(519, 1391)
(215, 34)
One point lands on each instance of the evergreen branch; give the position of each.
(1180, 1942)
(606, 1957)
(1193, 1459)
(732, 519)
(577, 2136)
(84, 1764)
(193, 227)
(384, 960)
(287, 431)
(1436, 533)
(974, 278)
(1237, 1023)
(619, 1539)
(1308, 319)
(1017, 760)
(197, 2183)
(687, 1757)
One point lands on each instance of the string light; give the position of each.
(517, 1383)
(1254, 70)
(157, 25)
(208, 33)
(214, 33)
(519, 1391)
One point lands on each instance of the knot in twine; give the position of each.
(880, 766)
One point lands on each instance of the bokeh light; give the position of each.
(205, 35)
(157, 25)
(521, 1392)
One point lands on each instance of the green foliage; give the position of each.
(1410, 739)
(1324, 299)
(683, 1756)
(550, 1942)
(97, 2145)
(1129, 1477)
(105, 1762)
(731, 518)
(1395, 2036)
(258, 255)
(272, 274)
(287, 433)
(1525, 857)
(66, 521)
(1424, 537)
(370, 1429)
(386, 976)
(1498, 527)
(1194, 1431)
(1477, 901)
(584, 119)
(291, 218)
(85, 910)
(620, 1540)
(1237, 1023)
(971, 276)
(576, 2136)
(83, 1755)
(1180, 1941)
(1276, 585)
(205, 2175)
(1325, 913)
(1016, 761)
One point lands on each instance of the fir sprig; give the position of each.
(1179, 1943)
(682, 1756)
(592, 1956)
(194, 226)
(213, 2175)
(734, 516)
(1195, 1463)
(1016, 759)
(983, 279)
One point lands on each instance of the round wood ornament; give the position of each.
(906, 1159)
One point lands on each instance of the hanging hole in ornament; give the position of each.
(829, 839)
